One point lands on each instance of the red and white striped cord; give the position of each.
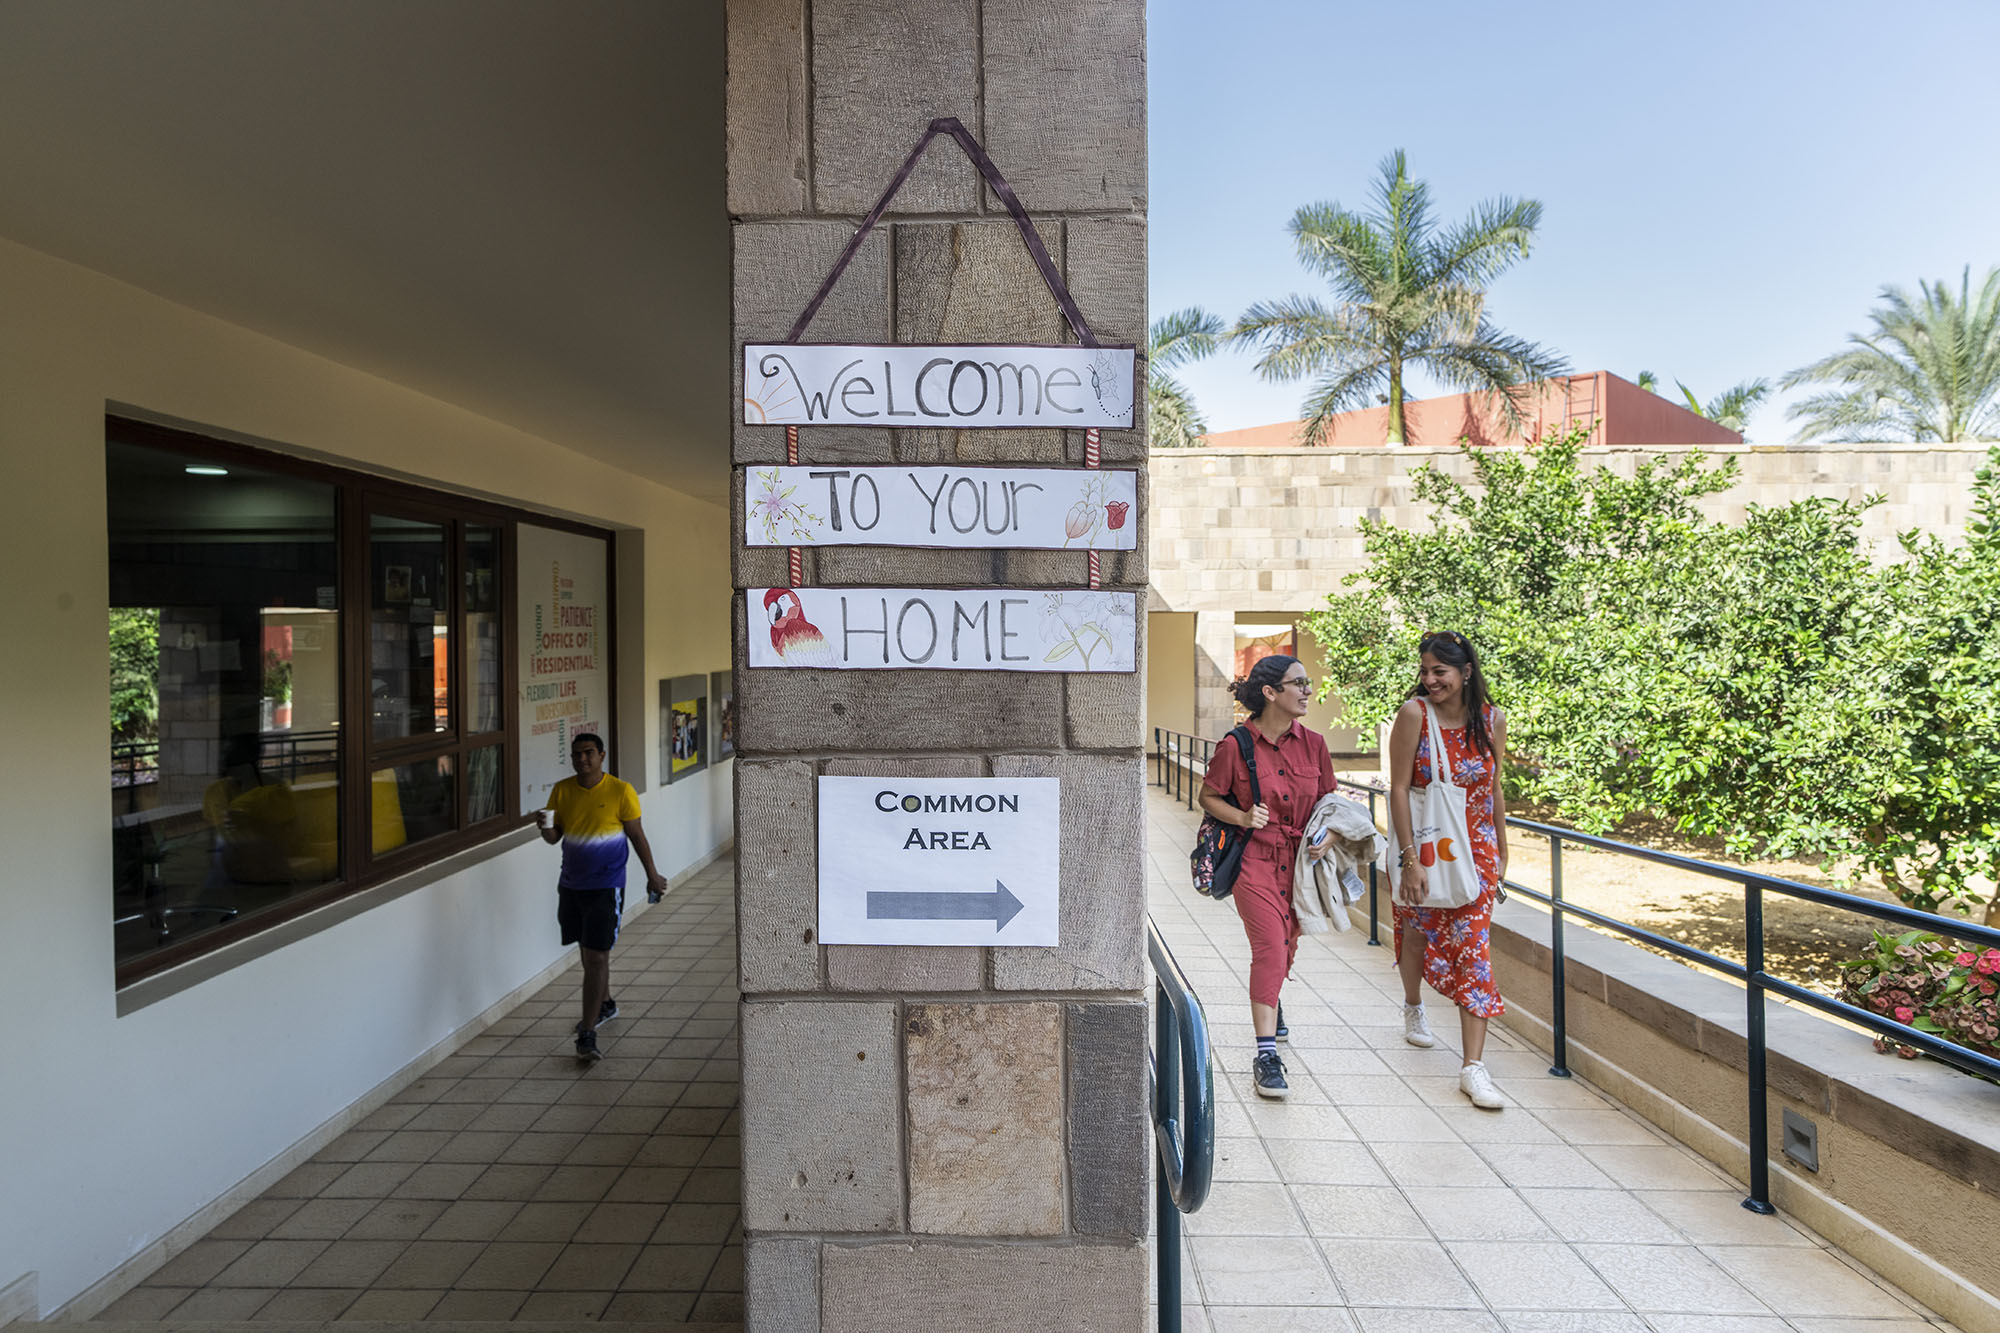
(792, 457)
(1091, 458)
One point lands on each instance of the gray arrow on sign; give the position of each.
(999, 906)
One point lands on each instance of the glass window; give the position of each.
(225, 641)
(409, 627)
(481, 645)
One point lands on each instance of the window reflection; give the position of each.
(409, 627)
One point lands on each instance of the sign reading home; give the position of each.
(960, 629)
(939, 860)
(951, 387)
(1050, 509)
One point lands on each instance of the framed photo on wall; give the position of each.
(683, 726)
(722, 698)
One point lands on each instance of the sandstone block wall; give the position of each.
(939, 1137)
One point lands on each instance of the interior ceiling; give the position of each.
(512, 205)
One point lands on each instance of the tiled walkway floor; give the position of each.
(511, 1183)
(1378, 1198)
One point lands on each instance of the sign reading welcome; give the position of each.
(1017, 507)
(948, 387)
(968, 629)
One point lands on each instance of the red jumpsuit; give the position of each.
(1291, 776)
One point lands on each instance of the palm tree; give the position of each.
(1731, 408)
(1172, 419)
(1929, 371)
(1408, 293)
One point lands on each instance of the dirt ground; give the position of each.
(1803, 942)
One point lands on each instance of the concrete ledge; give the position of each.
(1909, 1151)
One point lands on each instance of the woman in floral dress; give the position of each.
(1449, 946)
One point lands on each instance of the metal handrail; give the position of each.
(1186, 1145)
(1751, 972)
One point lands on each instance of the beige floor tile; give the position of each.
(718, 1307)
(1661, 1167)
(145, 1303)
(563, 1306)
(472, 1219)
(1670, 1279)
(1793, 1281)
(1516, 1125)
(1301, 1120)
(349, 1264)
(652, 1307)
(368, 1180)
(1262, 1270)
(1513, 1275)
(620, 1224)
(269, 1263)
(515, 1182)
(1243, 1159)
(704, 1185)
(439, 1180)
(1441, 1165)
(1372, 1090)
(353, 1146)
(430, 1263)
(1426, 1321)
(1571, 1321)
(1333, 1212)
(391, 1306)
(394, 1116)
(1609, 1216)
(1711, 1217)
(1334, 1065)
(1306, 1162)
(410, 1145)
(1277, 1319)
(1814, 1324)
(218, 1304)
(671, 1268)
(509, 1266)
(450, 1117)
(1478, 1214)
(697, 1224)
(1584, 1126)
(576, 1184)
(629, 1119)
(475, 1145)
(1246, 1208)
(1728, 1323)
(473, 1306)
(307, 1304)
(505, 1117)
(589, 1268)
(254, 1220)
(322, 1219)
(1544, 1166)
(547, 1221)
(1399, 1124)
(1399, 1273)
(199, 1263)
(396, 1219)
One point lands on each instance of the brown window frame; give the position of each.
(357, 496)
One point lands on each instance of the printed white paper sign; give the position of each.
(939, 860)
(953, 387)
(1021, 508)
(966, 629)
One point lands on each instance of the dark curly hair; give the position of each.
(1249, 689)
(1455, 650)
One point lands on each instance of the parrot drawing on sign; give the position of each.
(793, 637)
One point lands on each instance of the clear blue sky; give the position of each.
(1725, 185)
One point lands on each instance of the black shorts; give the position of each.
(590, 916)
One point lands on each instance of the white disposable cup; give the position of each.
(545, 817)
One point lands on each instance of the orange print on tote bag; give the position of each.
(1438, 828)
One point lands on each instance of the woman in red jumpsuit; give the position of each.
(1294, 770)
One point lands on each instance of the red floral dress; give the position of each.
(1458, 958)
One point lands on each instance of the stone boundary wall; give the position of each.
(1909, 1151)
(939, 1138)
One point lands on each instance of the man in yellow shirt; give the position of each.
(596, 818)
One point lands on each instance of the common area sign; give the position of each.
(950, 386)
(958, 629)
(1024, 508)
(954, 861)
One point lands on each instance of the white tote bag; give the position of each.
(1438, 829)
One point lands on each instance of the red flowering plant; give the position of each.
(1931, 984)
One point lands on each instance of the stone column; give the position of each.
(1214, 667)
(940, 1138)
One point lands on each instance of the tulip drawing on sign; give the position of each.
(793, 637)
(1093, 514)
(1114, 514)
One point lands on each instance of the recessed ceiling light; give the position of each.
(208, 471)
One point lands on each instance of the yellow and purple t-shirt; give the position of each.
(594, 844)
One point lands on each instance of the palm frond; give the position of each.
(1340, 393)
(1172, 419)
(1183, 336)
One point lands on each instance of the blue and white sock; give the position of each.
(1267, 1045)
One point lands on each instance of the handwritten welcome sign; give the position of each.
(963, 507)
(969, 629)
(955, 387)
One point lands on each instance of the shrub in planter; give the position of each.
(1931, 984)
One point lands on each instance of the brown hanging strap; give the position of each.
(963, 137)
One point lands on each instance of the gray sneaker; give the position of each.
(1271, 1077)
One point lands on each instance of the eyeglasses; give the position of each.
(1303, 682)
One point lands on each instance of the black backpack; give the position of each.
(1218, 847)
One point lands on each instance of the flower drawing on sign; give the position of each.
(1104, 381)
(1114, 514)
(1091, 514)
(1073, 623)
(773, 505)
(794, 638)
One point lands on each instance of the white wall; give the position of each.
(113, 1130)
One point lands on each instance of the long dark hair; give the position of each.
(1249, 690)
(1455, 650)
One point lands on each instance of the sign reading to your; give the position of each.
(1022, 508)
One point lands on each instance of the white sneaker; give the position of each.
(1476, 1083)
(1417, 1028)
